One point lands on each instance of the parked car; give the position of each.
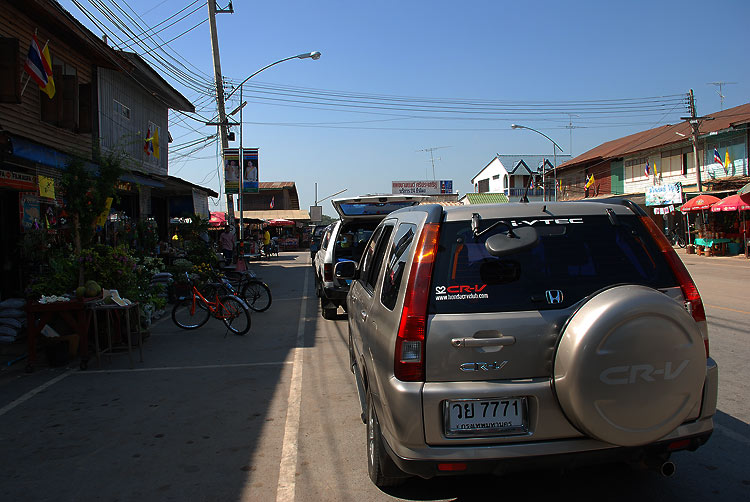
(491, 338)
(317, 235)
(345, 239)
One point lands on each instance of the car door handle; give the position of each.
(363, 315)
(501, 341)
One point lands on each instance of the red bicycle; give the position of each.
(193, 311)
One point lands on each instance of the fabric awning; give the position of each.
(275, 214)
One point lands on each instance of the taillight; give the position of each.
(409, 356)
(693, 302)
(328, 272)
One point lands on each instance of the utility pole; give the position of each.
(695, 123)
(220, 92)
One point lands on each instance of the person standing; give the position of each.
(226, 241)
(266, 241)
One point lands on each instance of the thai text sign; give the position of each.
(425, 187)
(19, 181)
(661, 195)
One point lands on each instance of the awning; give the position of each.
(217, 219)
(141, 180)
(273, 214)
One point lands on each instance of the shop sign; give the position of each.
(424, 187)
(19, 181)
(662, 195)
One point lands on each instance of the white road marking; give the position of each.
(174, 368)
(5, 409)
(288, 464)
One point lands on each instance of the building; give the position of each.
(517, 176)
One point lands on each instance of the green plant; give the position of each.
(58, 277)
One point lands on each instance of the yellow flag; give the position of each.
(102, 218)
(727, 162)
(590, 181)
(46, 187)
(155, 142)
(50, 88)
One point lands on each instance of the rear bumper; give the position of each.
(336, 293)
(567, 453)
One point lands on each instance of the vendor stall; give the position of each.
(737, 236)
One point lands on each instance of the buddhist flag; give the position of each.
(655, 172)
(727, 162)
(39, 66)
(155, 143)
(590, 181)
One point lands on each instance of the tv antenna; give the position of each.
(721, 85)
(570, 127)
(432, 157)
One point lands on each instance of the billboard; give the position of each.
(662, 195)
(248, 172)
(424, 187)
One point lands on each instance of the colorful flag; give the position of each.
(647, 170)
(147, 142)
(655, 172)
(727, 162)
(272, 202)
(590, 181)
(717, 157)
(46, 187)
(155, 143)
(39, 67)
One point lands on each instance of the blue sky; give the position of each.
(560, 61)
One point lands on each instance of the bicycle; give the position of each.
(675, 238)
(250, 288)
(193, 311)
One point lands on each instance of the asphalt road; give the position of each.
(274, 415)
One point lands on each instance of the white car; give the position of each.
(345, 240)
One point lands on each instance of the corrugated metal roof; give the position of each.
(487, 198)
(275, 185)
(661, 136)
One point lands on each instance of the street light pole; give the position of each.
(555, 147)
(315, 55)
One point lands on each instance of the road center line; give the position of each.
(288, 464)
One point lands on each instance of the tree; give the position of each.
(86, 192)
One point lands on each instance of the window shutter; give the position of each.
(69, 97)
(85, 118)
(51, 109)
(10, 80)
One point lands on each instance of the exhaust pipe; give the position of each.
(667, 469)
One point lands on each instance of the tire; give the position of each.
(328, 313)
(380, 467)
(681, 241)
(629, 348)
(183, 318)
(234, 314)
(257, 295)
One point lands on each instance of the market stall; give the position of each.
(737, 238)
(706, 234)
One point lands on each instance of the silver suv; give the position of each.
(344, 240)
(490, 338)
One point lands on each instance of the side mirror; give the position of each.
(512, 241)
(345, 270)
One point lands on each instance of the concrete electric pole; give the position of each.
(220, 91)
(695, 123)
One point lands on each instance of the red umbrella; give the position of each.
(280, 222)
(699, 203)
(733, 203)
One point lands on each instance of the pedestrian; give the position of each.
(226, 241)
(266, 241)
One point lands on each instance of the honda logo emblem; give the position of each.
(554, 296)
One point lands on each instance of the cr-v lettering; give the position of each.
(479, 366)
(620, 375)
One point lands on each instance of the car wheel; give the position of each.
(630, 366)
(380, 467)
(328, 313)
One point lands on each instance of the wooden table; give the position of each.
(75, 313)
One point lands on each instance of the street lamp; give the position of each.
(555, 146)
(315, 55)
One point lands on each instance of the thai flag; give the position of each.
(38, 66)
(717, 157)
(648, 169)
(272, 201)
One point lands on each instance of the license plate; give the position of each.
(485, 417)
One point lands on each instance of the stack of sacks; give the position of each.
(12, 319)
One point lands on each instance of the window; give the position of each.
(394, 272)
(10, 81)
(484, 185)
(496, 177)
(63, 109)
(372, 276)
(684, 164)
(121, 110)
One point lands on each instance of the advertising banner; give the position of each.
(424, 187)
(662, 195)
(250, 170)
(231, 170)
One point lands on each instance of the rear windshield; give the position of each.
(373, 208)
(570, 262)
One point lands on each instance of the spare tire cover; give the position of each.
(630, 366)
